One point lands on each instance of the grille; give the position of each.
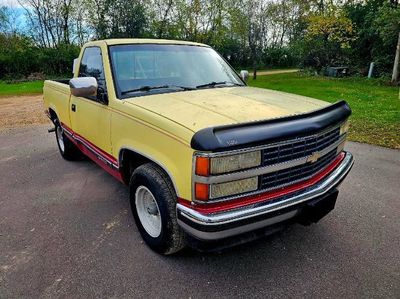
(295, 174)
(300, 147)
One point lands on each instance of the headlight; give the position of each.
(235, 187)
(206, 166)
(344, 128)
(237, 162)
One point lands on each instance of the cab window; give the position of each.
(92, 66)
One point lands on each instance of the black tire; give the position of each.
(68, 150)
(171, 239)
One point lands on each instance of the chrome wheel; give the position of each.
(60, 139)
(148, 211)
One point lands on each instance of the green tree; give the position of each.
(388, 28)
(117, 18)
(328, 37)
(3, 19)
(376, 24)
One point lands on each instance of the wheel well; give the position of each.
(129, 161)
(53, 115)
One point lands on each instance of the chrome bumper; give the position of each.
(217, 226)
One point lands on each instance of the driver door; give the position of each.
(90, 117)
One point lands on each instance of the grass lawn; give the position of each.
(376, 106)
(23, 88)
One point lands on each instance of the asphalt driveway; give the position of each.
(66, 231)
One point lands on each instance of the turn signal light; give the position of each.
(201, 191)
(202, 166)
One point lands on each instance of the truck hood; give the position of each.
(199, 109)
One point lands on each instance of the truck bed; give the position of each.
(62, 81)
(56, 95)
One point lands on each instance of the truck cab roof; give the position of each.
(125, 41)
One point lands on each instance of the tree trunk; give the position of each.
(164, 19)
(254, 58)
(395, 74)
(254, 70)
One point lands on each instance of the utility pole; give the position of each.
(371, 69)
(395, 74)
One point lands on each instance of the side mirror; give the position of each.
(83, 86)
(244, 75)
(75, 66)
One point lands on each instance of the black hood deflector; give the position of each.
(229, 137)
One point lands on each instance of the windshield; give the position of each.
(153, 68)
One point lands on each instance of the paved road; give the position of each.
(66, 231)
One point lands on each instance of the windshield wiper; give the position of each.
(182, 87)
(212, 84)
(148, 88)
(144, 88)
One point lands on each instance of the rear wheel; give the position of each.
(153, 204)
(67, 149)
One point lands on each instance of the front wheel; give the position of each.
(153, 204)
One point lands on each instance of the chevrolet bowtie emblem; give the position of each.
(314, 157)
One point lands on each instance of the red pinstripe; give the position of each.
(96, 154)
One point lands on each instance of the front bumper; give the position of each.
(217, 226)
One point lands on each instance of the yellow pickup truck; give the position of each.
(209, 161)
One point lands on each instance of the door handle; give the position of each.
(73, 107)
